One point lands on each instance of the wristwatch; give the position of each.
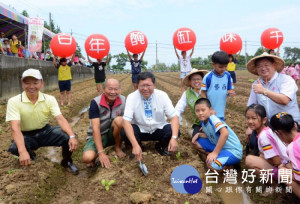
(266, 92)
(175, 137)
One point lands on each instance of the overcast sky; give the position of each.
(158, 20)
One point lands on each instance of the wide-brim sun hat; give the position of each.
(278, 61)
(186, 79)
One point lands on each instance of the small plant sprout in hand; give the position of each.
(107, 184)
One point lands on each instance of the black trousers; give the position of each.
(163, 136)
(47, 136)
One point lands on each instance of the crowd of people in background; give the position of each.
(292, 70)
(14, 47)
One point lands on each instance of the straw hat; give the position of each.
(186, 79)
(278, 61)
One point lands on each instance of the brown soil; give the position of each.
(45, 181)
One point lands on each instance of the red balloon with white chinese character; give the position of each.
(231, 43)
(63, 45)
(136, 42)
(271, 38)
(184, 39)
(97, 46)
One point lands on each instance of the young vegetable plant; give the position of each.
(178, 156)
(10, 171)
(115, 159)
(107, 184)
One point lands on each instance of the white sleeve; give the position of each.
(252, 98)
(181, 104)
(289, 87)
(168, 106)
(129, 108)
(266, 146)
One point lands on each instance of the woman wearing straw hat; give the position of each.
(275, 91)
(192, 80)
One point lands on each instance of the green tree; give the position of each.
(55, 29)
(121, 60)
(196, 61)
(161, 67)
(109, 59)
(292, 54)
(25, 13)
(259, 51)
(78, 50)
(144, 65)
(241, 61)
(174, 67)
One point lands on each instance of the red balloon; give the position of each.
(63, 45)
(184, 39)
(271, 38)
(136, 42)
(231, 43)
(97, 46)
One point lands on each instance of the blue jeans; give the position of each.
(47, 136)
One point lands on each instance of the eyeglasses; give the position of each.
(196, 79)
(264, 66)
(145, 86)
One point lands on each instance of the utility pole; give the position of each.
(156, 57)
(71, 32)
(50, 21)
(246, 60)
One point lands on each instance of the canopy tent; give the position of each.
(12, 22)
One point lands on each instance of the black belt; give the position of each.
(33, 132)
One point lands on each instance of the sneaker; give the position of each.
(161, 150)
(70, 166)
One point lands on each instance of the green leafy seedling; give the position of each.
(178, 156)
(115, 159)
(16, 157)
(251, 80)
(186, 202)
(107, 184)
(11, 171)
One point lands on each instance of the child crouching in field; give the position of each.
(286, 128)
(272, 151)
(218, 142)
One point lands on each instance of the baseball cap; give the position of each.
(32, 73)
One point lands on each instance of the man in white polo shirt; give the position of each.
(29, 114)
(144, 118)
